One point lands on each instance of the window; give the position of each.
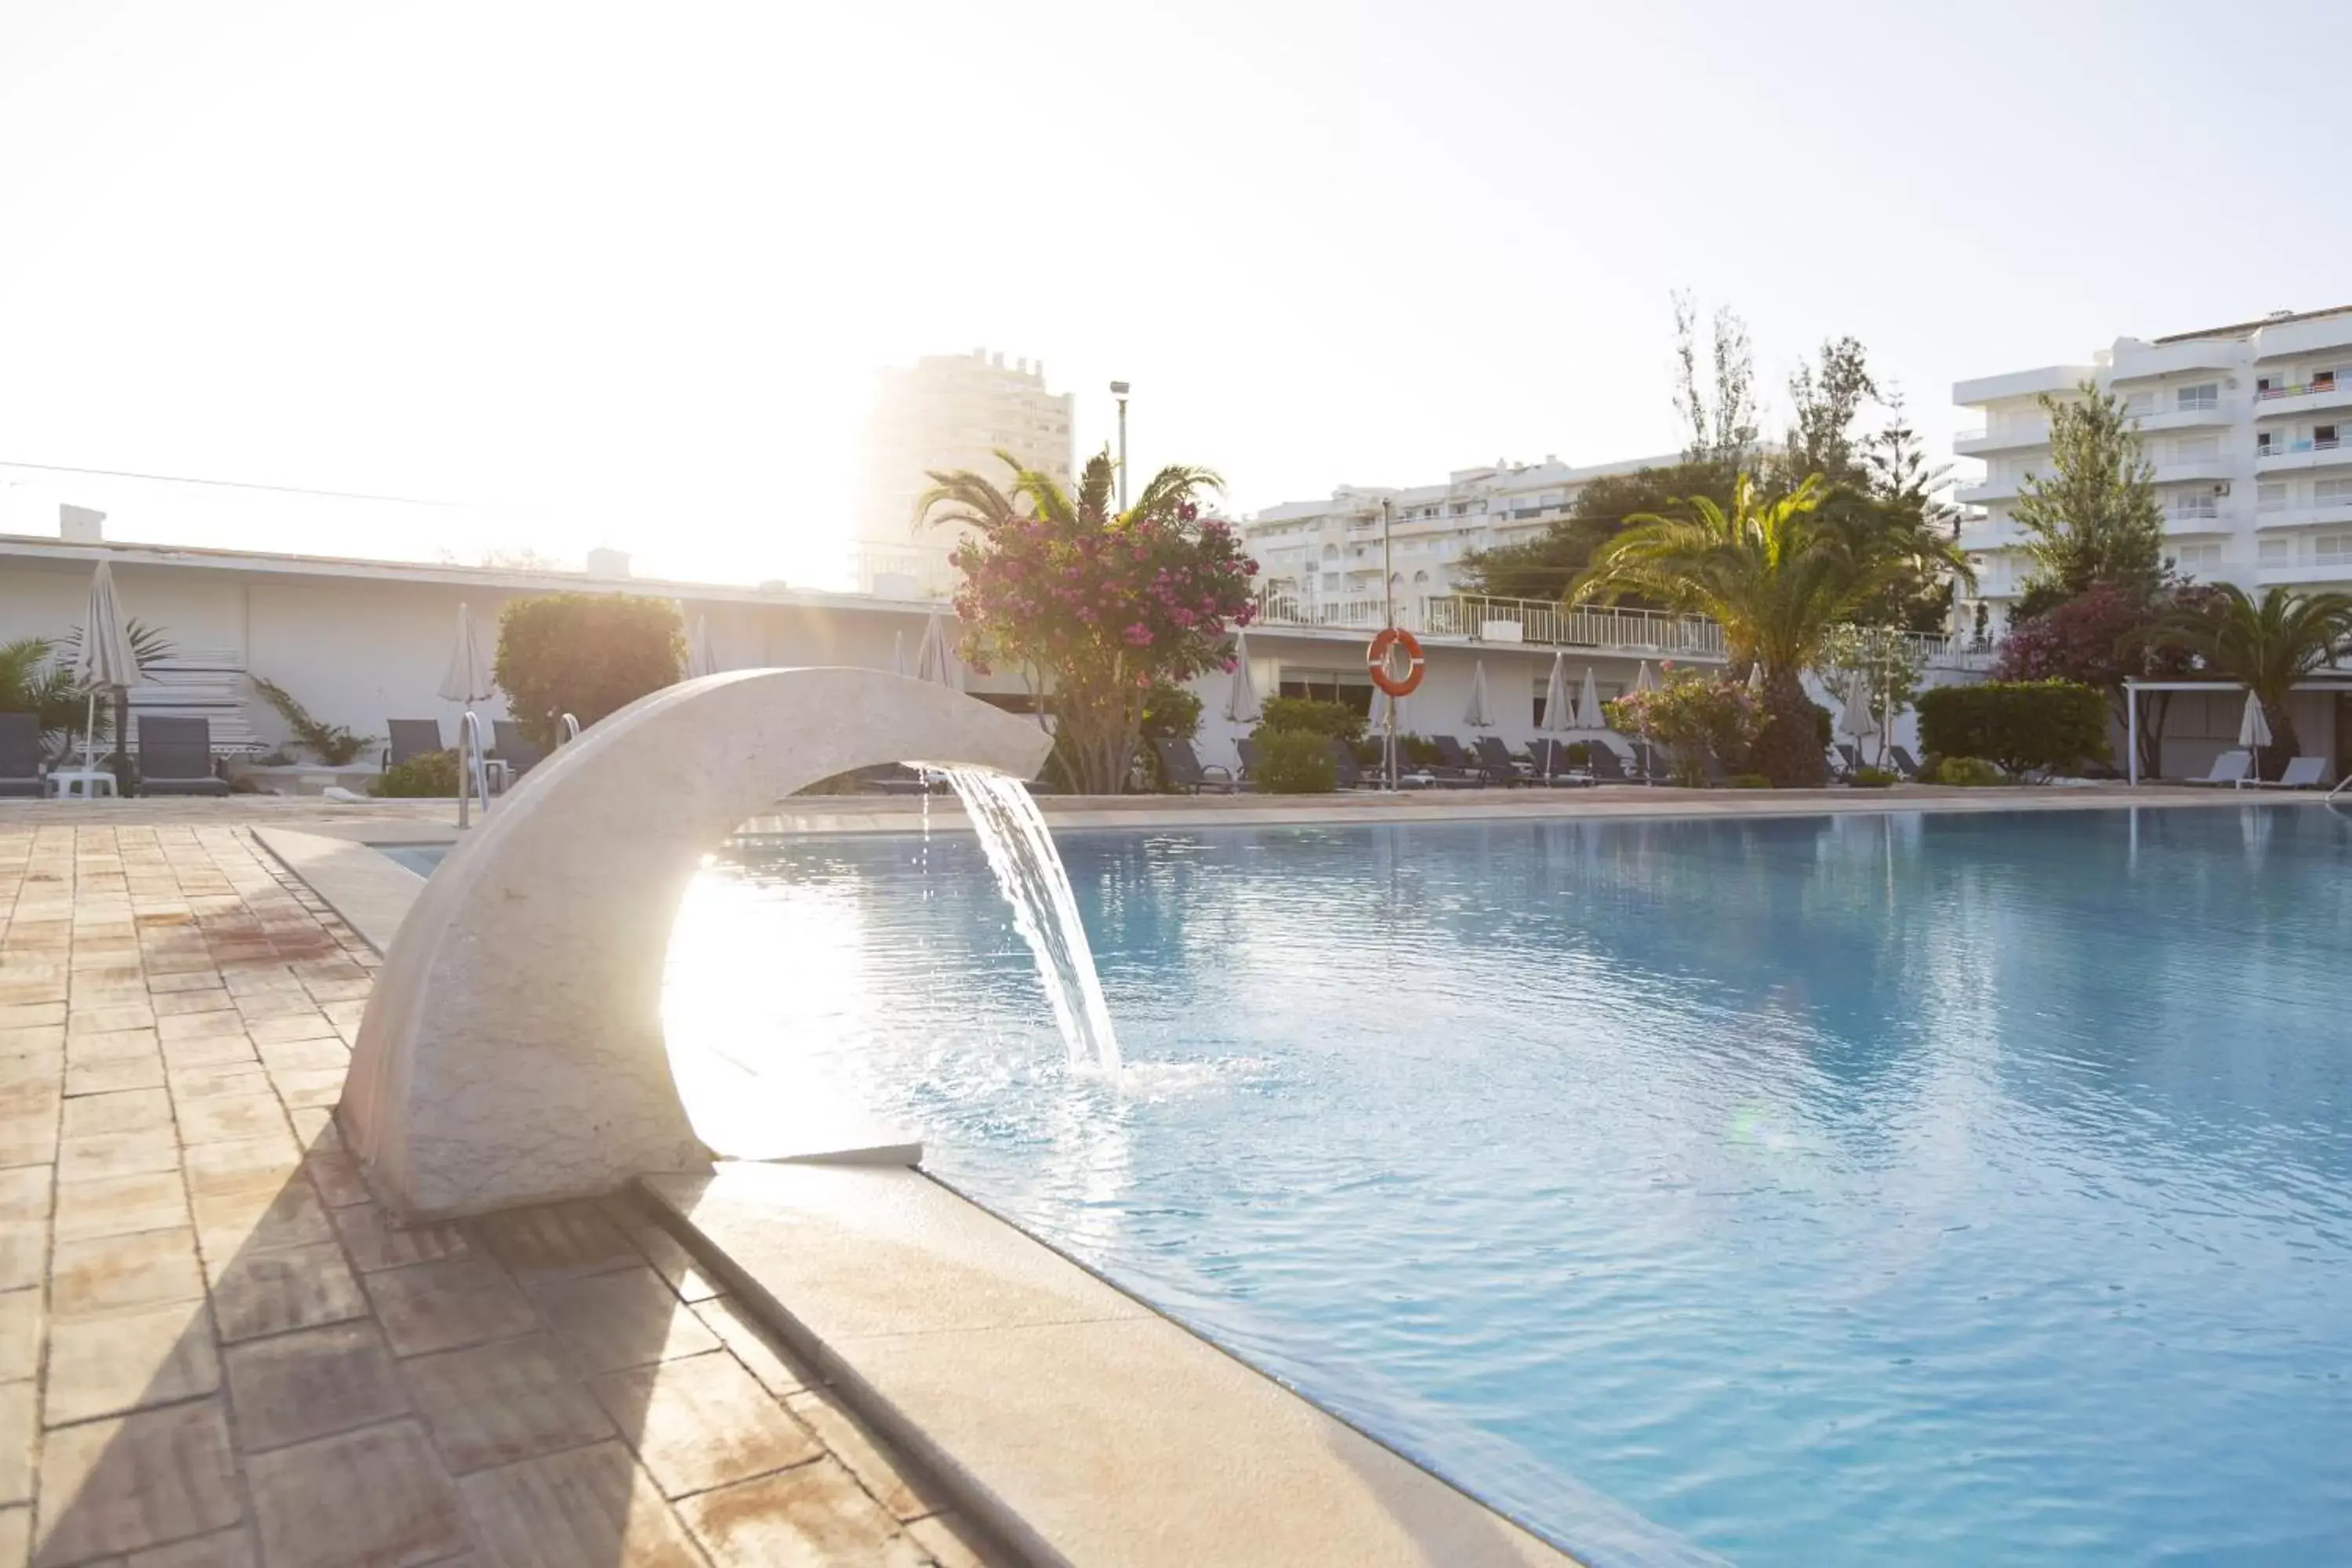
(2196, 448)
(2266, 442)
(2270, 498)
(2140, 403)
(2197, 557)
(2323, 435)
(2332, 492)
(2204, 394)
(2196, 503)
(2332, 550)
(2323, 381)
(2275, 552)
(1421, 579)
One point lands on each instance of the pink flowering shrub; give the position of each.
(1107, 605)
(1692, 712)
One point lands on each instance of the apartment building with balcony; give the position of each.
(1328, 552)
(2244, 426)
(947, 412)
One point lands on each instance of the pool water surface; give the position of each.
(1926, 1189)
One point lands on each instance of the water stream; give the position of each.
(1029, 871)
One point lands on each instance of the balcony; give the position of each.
(2214, 469)
(2335, 514)
(2290, 456)
(1992, 486)
(2317, 397)
(2159, 419)
(2003, 436)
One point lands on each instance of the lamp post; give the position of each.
(1388, 617)
(1119, 390)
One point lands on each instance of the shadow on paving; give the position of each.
(290, 1381)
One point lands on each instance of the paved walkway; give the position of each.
(216, 1354)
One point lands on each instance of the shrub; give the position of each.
(1171, 711)
(431, 775)
(1749, 781)
(1871, 778)
(2023, 725)
(331, 744)
(1689, 714)
(1578, 753)
(1295, 761)
(1311, 715)
(1968, 772)
(1419, 749)
(584, 654)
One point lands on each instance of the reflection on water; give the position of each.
(1829, 1191)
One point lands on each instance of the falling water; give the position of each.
(1029, 870)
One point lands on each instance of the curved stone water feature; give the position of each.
(512, 1050)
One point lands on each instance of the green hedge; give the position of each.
(431, 775)
(584, 654)
(1312, 716)
(2023, 725)
(1966, 773)
(1295, 761)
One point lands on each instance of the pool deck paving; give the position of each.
(214, 1352)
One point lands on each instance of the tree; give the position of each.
(2095, 518)
(1777, 578)
(1887, 662)
(2265, 645)
(584, 654)
(1689, 715)
(1912, 497)
(31, 681)
(1546, 566)
(1722, 419)
(2100, 638)
(1826, 401)
(1107, 602)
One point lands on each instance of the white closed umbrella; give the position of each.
(1242, 706)
(2254, 729)
(467, 679)
(1588, 714)
(106, 662)
(1560, 714)
(1755, 676)
(1856, 718)
(699, 660)
(933, 661)
(1643, 679)
(1477, 715)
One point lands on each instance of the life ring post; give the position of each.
(1384, 673)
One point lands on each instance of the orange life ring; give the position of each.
(1378, 658)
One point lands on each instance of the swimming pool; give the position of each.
(1921, 1189)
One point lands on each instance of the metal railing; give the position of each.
(570, 727)
(2264, 393)
(1647, 633)
(2286, 448)
(473, 770)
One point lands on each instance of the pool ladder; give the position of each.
(473, 769)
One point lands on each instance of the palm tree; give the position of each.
(2265, 645)
(1776, 575)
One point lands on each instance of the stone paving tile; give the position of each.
(556, 1240)
(104, 1077)
(16, 1536)
(118, 1273)
(130, 1110)
(19, 1436)
(120, 1205)
(217, 1050)
(611, 1321)
(293, 1029)
(950, 1541)
(24, 1193)
(241, 1166)
(130, 1361)
(812, 1517)
(497, 1404)
(375, 1496)
(374, 1242)
(255, 1293)
(446, 1304)
(115, 1154)
(201, 980)
(227, 1549)
(215, 1081)
(779, 1372)
(103, 1020)
(116, 1045)
(230, 1118)
(260, 1221)
(668, 1255)
(876, 1466)
(22, 1319)
(140, 1480)
(336, 1175)
(588, 1506)
(701, 1422)
(290, 1388)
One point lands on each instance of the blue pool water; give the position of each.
(1924, 1190)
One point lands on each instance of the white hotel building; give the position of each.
(2244, 426)
(1326, 554)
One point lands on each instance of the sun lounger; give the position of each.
(509, 746)
(1905, 763)
(1345, 770)
(1183, 769)
(2302, 773)
(175, 757)
(410, 738)
(1497, 758)
(2228, 768)
(1552, 766)
(1606, 766)
(1461, 765)
(24, 764)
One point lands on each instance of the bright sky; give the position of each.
(621, 275)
